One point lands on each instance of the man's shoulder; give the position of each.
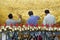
(7, 20)
(36, 16)
(45, 17)
(52, 15)
(10, 20)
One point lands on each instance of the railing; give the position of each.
(24, 32)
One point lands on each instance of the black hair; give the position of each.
(30, 13)
(47, 11)
(10, 16)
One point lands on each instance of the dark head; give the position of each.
(30, 13)
(47, 12)
(10, 16)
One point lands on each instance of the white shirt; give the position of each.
(3, 36)
(49, 19)
(12, 21)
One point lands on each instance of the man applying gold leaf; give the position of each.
(49, 19)
(10, 20)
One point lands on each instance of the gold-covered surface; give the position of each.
(23, 6)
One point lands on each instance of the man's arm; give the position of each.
(18, 21)
(20, 18)
(37, 17)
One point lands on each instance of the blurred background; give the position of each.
(23, 6)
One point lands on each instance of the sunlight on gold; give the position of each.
(23, 6)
